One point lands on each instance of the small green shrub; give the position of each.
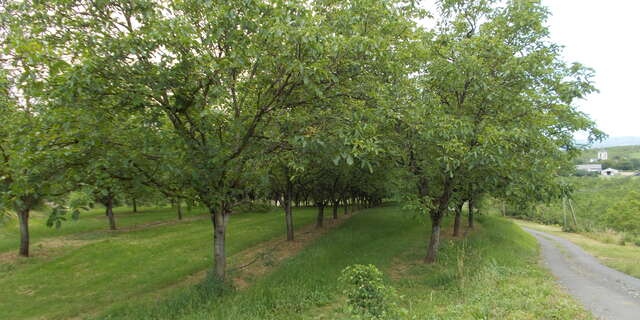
(569, 227)
(625, 214)
(629, 238)
(367, 295)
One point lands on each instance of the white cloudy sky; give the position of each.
(604, 35)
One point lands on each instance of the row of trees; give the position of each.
(338, 102)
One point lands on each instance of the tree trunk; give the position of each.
(434, 242)
(276, 199)
(179, 208)
(134, 204)
(456, 221)
(346, 207)
(288, 215)
(320, 217)
(335, 210)
(219, 218)
(23, 216)
(109, 212)
(470, 215)
(436, 219)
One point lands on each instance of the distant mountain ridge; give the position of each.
(614, 142)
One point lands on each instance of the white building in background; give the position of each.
(589, 167)
(610, 172)
(603, 155)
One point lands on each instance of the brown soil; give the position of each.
(402, 264)
(255, 262)
(142, 226)
(45, 249)
(247, 266)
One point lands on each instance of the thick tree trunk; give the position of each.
(320, 217)
(335, 210)
(434, 241)
(470, 215)
(288, 215)
(134, 204)
(179, 209)
(109, 212)
(346, 206)
(219, 219)
(456, 221)
(23, 216)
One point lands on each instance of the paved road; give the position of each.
(607, 293)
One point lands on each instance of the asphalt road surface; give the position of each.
(607, 293)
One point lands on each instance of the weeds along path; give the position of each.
(608, 293)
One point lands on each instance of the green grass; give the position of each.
(592, 200)
(93, 220)
(143, 274)
(494, 274)
(621, 152)
(623, 258)
(115, 269)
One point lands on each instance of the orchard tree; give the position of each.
(39, 152)
(492, 95)
(213, 75)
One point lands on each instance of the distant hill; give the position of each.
(615, 142)
(620, 157)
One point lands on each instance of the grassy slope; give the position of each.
(624, 152)
(92, 220)
(494, 274)
(124, 267)
(623, 258)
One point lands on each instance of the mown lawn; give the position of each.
(493, 274)
(92, 220)
(108, 270)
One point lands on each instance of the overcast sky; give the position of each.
(604, 35)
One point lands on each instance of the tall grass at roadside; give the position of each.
(493, 274)
(604, 246)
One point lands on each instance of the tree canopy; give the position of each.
(338, 102)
